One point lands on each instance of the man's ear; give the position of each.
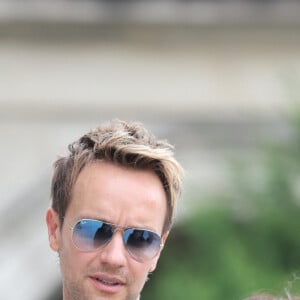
(52, 220)
(155, 260)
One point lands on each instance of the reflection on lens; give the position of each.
(103, 234)
(88, 235)
(142, 244)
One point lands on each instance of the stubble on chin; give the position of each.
(73, 291)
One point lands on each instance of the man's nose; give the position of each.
(114, 252)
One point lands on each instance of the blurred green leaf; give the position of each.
(251, 244)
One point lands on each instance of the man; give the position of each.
(113, 200)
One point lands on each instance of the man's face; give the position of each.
(126, 197)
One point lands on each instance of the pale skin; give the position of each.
(118, 195)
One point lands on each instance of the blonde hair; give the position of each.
(126, 144)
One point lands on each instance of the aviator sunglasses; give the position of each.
(89, 235)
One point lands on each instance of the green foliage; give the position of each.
(251, 245)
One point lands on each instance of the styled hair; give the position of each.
(125, 144)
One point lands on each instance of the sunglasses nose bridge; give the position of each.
(124, 232)
(116, 229)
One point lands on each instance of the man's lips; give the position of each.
(108, 280)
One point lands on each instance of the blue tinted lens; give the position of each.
(142, 244)
(89, 235)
